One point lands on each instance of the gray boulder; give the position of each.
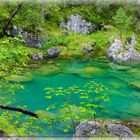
(119, 53)
(37, 56)
(29, 39)
(53, 52)
(78, 25)
(92, 128)
(119, 130)
(88, 128)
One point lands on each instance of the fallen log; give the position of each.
(24, 111)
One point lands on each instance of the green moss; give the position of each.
(135, 84)
(49, 69)
(20, 78)
(115, 85)
(90, 72)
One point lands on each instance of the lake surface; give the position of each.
(123, 83)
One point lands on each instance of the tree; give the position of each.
(122, 21)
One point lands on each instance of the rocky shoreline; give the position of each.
(108, 128)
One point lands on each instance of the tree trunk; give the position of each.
(10, 18)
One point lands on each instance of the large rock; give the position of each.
(29, 39)
(88, 128)
(92, 128)
(119, 130)
(78, 25)
(117, 52)
(52, 52)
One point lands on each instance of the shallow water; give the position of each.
(123, 84)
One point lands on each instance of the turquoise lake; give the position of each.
(123, 83)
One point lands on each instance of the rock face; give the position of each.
(92, 128)
(52, 52)
(78, 25)
(29, 39)
(37, 56)
(119, 53)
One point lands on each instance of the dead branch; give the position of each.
(27, 112)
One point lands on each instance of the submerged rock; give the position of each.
(135, 84)
(91, 70)
(48, 70)
(78, 25)
(119, 53)
(20, 78)
(92, 128)
(85, 72)
(53, 52)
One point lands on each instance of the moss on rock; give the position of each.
(20, 78)
(49, 69)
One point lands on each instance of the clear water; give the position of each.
(123, 83)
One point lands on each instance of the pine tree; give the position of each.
(122, 21)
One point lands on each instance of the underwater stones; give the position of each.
(122, 67)
(91, 70)
(119, 130)
(37, 56)
(52, 52)
(135, 84)
(19, 78)
(117, 52)
(85, 72)
(48, 70)
(78, 25)
(116, 85)
(92, 128)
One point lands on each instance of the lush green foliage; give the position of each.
(14, 57)
(91, 99)
(122, 21)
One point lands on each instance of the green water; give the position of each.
(123, 84)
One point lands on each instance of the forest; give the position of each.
(69, 68)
